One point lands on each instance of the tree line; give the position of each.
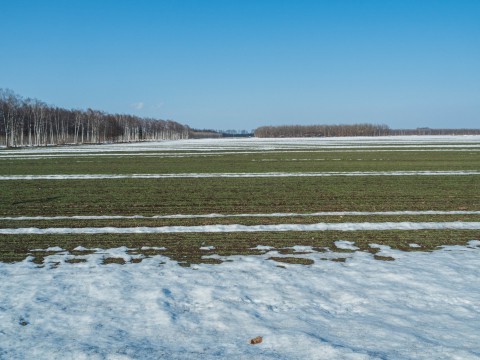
(216, 134)
(429, 131)
(322, 130)
(351, 130)
(31, 122)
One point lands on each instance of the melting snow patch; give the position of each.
(298, 248)
(345, 245)
(119, 253)
(381, 247)
(206, 248)
(263, 247)
(153, 248)
(54, 248)
(474, 243)
(413, 245)
(50, 249)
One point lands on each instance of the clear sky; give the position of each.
(240, 64)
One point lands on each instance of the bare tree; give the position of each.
(31, 122)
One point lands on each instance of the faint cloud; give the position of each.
(158, 106)
(138, 105)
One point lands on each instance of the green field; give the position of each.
(254, 161)
(238, 195)
(230, 196)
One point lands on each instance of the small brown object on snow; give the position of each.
(256, 340)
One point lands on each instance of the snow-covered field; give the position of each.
(420, 306)
(209, 146)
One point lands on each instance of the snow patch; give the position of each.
(422, 306)
(263, 247)
(345, 245)
(299, 248)
(474, 243)
(160, 248)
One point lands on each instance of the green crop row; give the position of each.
(238, 195)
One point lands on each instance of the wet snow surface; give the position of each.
(420, 306)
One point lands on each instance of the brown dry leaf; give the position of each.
(256, 340)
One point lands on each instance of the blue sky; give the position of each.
(228, 64)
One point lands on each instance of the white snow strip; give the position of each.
(421, 306)
(457, 225)
(236, 175)
(202, 216)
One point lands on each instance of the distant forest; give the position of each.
(216, 134)
(351, 130)
(31, 122)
